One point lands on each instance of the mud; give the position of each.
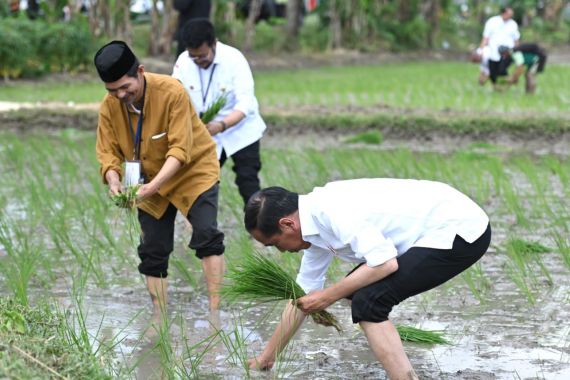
(504, 337)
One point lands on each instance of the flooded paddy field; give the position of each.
(62, 241)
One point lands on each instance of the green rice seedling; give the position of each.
(235, 343)
(557, 168)
(369, 137)
(477, 282)
(520, 280)
(514, 204)
(127, 200)
(259, 279)
(214, 108)
(527, 256)
(183, 268)
(21, 261)
(563, 246)
(192, 355)
(413, 334)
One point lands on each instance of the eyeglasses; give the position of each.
(201, 57)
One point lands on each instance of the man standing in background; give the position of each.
(210, 70)
(500, 30)
(188, 10)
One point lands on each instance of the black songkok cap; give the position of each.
(113, 61)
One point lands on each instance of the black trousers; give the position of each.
(419, 269)
(498, 68)
(157, 240)
(247, 164)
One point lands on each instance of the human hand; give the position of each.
(146, 191)
(115, 188)
(261, 363)
(215, 127)
(316, 300)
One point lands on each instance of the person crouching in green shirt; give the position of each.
(527, 56)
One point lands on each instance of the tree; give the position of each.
(254, 9)
(162, 28)
(293, 23)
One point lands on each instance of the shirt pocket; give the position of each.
(157, 147)
(195, 94)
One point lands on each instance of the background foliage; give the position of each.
(64, 41)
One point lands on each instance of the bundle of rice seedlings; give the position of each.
(259, 279)
(214, 108)
(128, 198)
(412, 334)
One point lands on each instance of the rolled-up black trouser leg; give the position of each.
(207, 239)
(156, 243)
(419, 269)
(247, 164)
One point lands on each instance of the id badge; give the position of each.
(133, 173)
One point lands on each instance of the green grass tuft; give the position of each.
(369, 137)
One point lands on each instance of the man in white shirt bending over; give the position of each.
(209, 69)
(500, 30)
(406, 237)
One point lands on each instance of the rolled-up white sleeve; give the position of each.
(314, 265)
(243, 86)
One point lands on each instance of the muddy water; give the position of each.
(504, 338)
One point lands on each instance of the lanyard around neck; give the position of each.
(137, 138)
(205, 95)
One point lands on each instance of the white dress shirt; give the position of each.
(374, 220)
(500, 32)
(228, 74)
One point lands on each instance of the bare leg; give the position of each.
(385, 342)
(157, 287)
(530, 83)
(213, 267)
(483, 78)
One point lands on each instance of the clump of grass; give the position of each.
(214, 108)
(259, 279)
(527, 248)
(370, 137)
(413, 334)
(126, 198)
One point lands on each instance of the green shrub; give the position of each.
(14, 52)
(31, 48)
(313, 36)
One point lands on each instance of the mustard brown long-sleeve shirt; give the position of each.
(170, 127)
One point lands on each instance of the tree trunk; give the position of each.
(404, 10)
(553, 11)
(293, 23)
(335, 25)
(123, 28)
(154, 43)
(94, 18)
(230, 20)
(254, 9)
(432, 15)
(169, 21)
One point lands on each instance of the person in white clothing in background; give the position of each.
(406, 237)
(500, 30)
(209, 69)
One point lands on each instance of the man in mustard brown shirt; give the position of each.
(147, 123)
